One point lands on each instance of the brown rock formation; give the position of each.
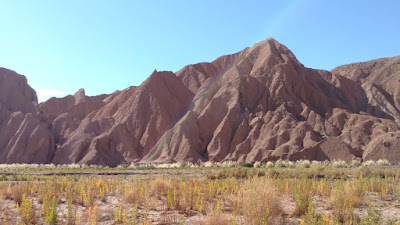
(23, 137)
(266, 105)
(380, 80)
(256, 105)
(129, 124)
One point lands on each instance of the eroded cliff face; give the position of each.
(125, 125)
(259, 104)
(266, 105)
(380, 79)
(23, 137)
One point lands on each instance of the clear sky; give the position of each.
(103, 46)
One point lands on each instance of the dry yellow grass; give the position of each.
(17, 192)
(3, 192)
(160, 186)
(134, 196)
(260, 202)
(216, 218)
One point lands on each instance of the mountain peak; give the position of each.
(273, 47)
(269, 40)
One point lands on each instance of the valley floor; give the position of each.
(303, 193)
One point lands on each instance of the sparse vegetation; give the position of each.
(28, 214)
(279, 192)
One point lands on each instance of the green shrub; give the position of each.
(303, 201)
(28, 215)
(49, 209)
(373, 217)
(3, 177)
(248, 165)
(124, 165)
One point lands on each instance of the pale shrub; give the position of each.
(74, 166)
(356, 162)
(280, 163)
(369, 163)
(284, 164)
(192, 165)
(269, 164)
(339, 164)
(320, 164)
(382, 162)
(162, 166)
(290, 164)
(186, 164)
(315, 162)
(96, 166)
(174, 165)
(303, 163)
(228, 164)
(208, 164)
(50, 166)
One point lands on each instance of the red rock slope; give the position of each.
(266, 105)
(380, 80)
(122, 127)
(256, 105)
(23, 137)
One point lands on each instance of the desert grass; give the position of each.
(159, 187)
(260, 202)
(135, 195)
(223, 195)
(216, 218)
(16, 193)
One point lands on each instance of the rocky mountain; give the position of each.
(380, 80)
(259, 104)
(24, 138)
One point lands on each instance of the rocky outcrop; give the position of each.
(259, 104)
(65, 114)
(23, 137)
(265, 106)
(385, 146)
(380, 80)
(129, 124)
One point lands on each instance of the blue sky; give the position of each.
(103, 46)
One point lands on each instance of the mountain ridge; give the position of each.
(258, 104)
